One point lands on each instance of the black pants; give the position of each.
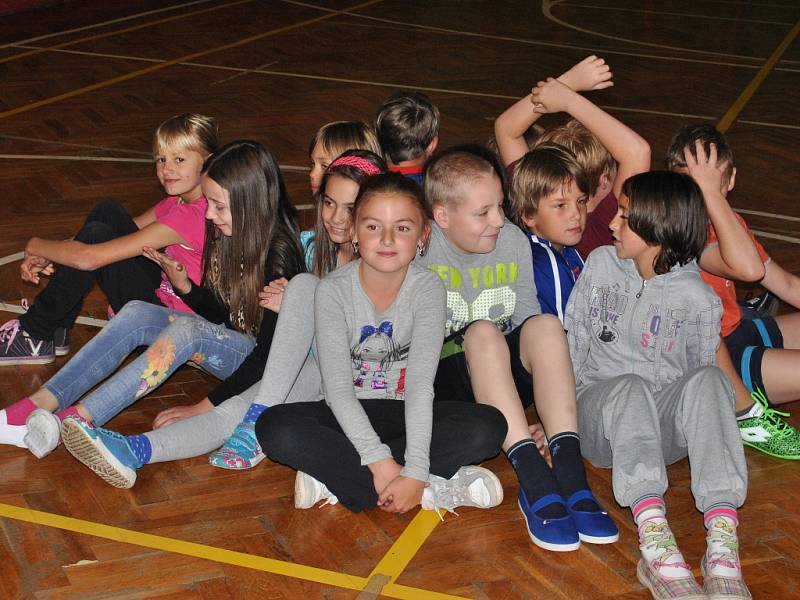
(307, 437)
(59, 304)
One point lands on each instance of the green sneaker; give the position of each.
(765, 430)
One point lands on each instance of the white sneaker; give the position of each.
(12, 435)
(308, 491)
(44, 432)
(470, 486)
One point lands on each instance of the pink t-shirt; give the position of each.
(189, 222)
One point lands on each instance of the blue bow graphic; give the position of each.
(367, 330)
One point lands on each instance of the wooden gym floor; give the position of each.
(84, 85)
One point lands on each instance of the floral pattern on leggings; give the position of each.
(160, 357)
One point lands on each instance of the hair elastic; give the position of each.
(357, 162)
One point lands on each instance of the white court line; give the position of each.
(411, 86)
(558, 45)
(758, 213)
(547, 6)
(673, 14)
(104, 23)
(749, 3)
(61, 157)
(60, 143)
(776, 236)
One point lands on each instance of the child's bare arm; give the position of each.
(783, 284)
(627, 147)
(735, 256)
(88, 257)
(592, 73)
(144, 219)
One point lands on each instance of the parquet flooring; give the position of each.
(673, 63)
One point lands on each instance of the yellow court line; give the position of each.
(406, 546)
(99, 36)
(157, 542)
(175, 61)
(727, 120)
(220, 555)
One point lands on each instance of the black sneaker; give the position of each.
(19, 348)
(61, 341)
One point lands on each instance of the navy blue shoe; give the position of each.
(594, 527)
(559, 534)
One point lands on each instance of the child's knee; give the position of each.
(542, 328)
(482, 335)
(275, 434)
(708, 386)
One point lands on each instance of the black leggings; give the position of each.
(307, 437)
(59, 304)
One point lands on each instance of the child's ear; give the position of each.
(530, 221)
(440, 215)
(732, 180)
(432, 146)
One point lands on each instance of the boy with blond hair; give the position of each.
(607, 150)
(499, 350)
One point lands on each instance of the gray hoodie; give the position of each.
(659, 329)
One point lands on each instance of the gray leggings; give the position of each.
(290, 375)
(626, 426)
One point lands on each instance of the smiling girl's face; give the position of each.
(219, 205)
(337, 207)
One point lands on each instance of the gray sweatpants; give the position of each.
(290, 375)
(626, 426)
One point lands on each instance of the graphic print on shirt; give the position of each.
(608, 307)
(495, 302)
(373, 358)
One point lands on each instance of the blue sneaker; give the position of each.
(105, 452)
(558, 535)
(240, 451)
(594, 527)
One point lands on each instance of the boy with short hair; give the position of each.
(408, 131)
(498, 348)
(549, 192)
(607, 150)
(765, 352)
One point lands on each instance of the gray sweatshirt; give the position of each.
(496, 286)
(659, 329)
(391, 355)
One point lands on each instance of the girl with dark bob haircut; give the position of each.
(666, 209)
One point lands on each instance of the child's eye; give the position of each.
(403, 228)
(372, 227)
(179, 159)
(160, 159)
(583, 200)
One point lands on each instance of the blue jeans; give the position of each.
(173, 339)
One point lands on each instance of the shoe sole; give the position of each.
(42, 360)
(44, 431)
(86, 449)
(547, 545)
(300, 493)
(641, 575)
(755, 447)
(592, 539)
(223, 465)
(710, 596)
(62, 350)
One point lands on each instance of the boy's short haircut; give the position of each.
(447, 173)
(339, 136)
(708, 134)
(667, 209)
(407, 123)
(593, 157)
(189, 131)
(542, 171)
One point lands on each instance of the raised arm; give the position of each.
(88, 257)
(627, 147)
(783, 284)
(735, 256)
(592, 73)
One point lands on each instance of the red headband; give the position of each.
(359, 163)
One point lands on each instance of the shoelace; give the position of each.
(663, 540)
(772, 416)
(241, 439)
(724, 550)
(9, 331)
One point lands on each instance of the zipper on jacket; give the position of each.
(641, 290)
